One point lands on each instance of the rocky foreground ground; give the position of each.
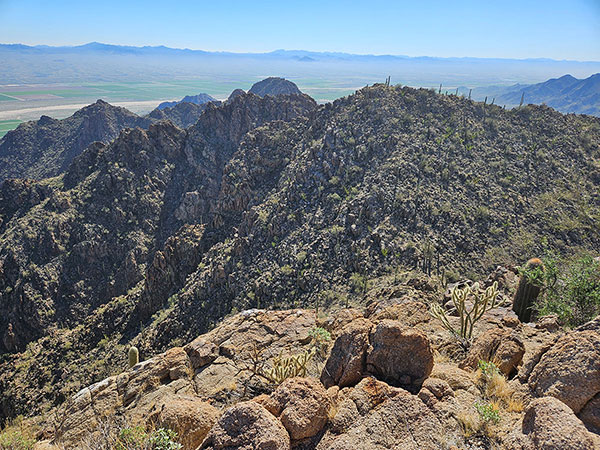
(391, 377)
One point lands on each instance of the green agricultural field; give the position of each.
(7, 125)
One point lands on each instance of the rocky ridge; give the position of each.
(276, 203)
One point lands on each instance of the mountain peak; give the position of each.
(274, 86)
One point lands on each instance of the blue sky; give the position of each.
(565, 29)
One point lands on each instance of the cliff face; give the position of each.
(274, 202)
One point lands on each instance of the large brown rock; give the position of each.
(189, 416)
(346, 363)
(551, 425)
(247, 426)
(302, 406)
(399, 356)
(503, 347)
(570, 370)
(375, 416)
(590, 415)
(201, 352)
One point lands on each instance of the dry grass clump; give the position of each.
(17, 435)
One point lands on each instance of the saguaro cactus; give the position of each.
(134, 356)
(529, 288)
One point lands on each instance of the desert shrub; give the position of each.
(488, 412)
(120, 435)
(164, 439)
(14, 439)
(572, 290)
(320, 339)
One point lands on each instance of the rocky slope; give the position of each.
(274, 86)
(273, 202)
(183, 115)
(355, 392)
(45, 148)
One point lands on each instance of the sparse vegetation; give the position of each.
(571, 289)
(17, 436)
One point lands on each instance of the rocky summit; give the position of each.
(287, 275)
(274, 86)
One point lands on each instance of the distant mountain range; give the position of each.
(566, 94)
(104, 62)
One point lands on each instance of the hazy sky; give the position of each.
(559, 29)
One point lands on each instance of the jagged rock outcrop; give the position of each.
(212, 389)
(569, 370)
(45, 148)
(302, 406)
(502, 347)
(181, 114)
(399, 356)
(346, 364)
(235, 93)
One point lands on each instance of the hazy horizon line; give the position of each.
(319, 52)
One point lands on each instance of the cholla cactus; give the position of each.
(483, 300)
(134, 356)
(288, 367)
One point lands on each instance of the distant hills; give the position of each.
(566, 94)
(199, 99)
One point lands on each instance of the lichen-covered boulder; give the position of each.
(247, 426)
(551, 425)
(302, 406)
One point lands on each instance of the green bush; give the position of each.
(572, 290)
(137, 438)
(164, 439)
(488, 412)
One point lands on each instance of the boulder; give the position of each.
(247, 426)
(503, 347)
(302, 405)
(569, 370)
(376, 416)
(346, 363)
(189, 416)
(201, 352)
(590, 415)
(551, 425)
(399, 356)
